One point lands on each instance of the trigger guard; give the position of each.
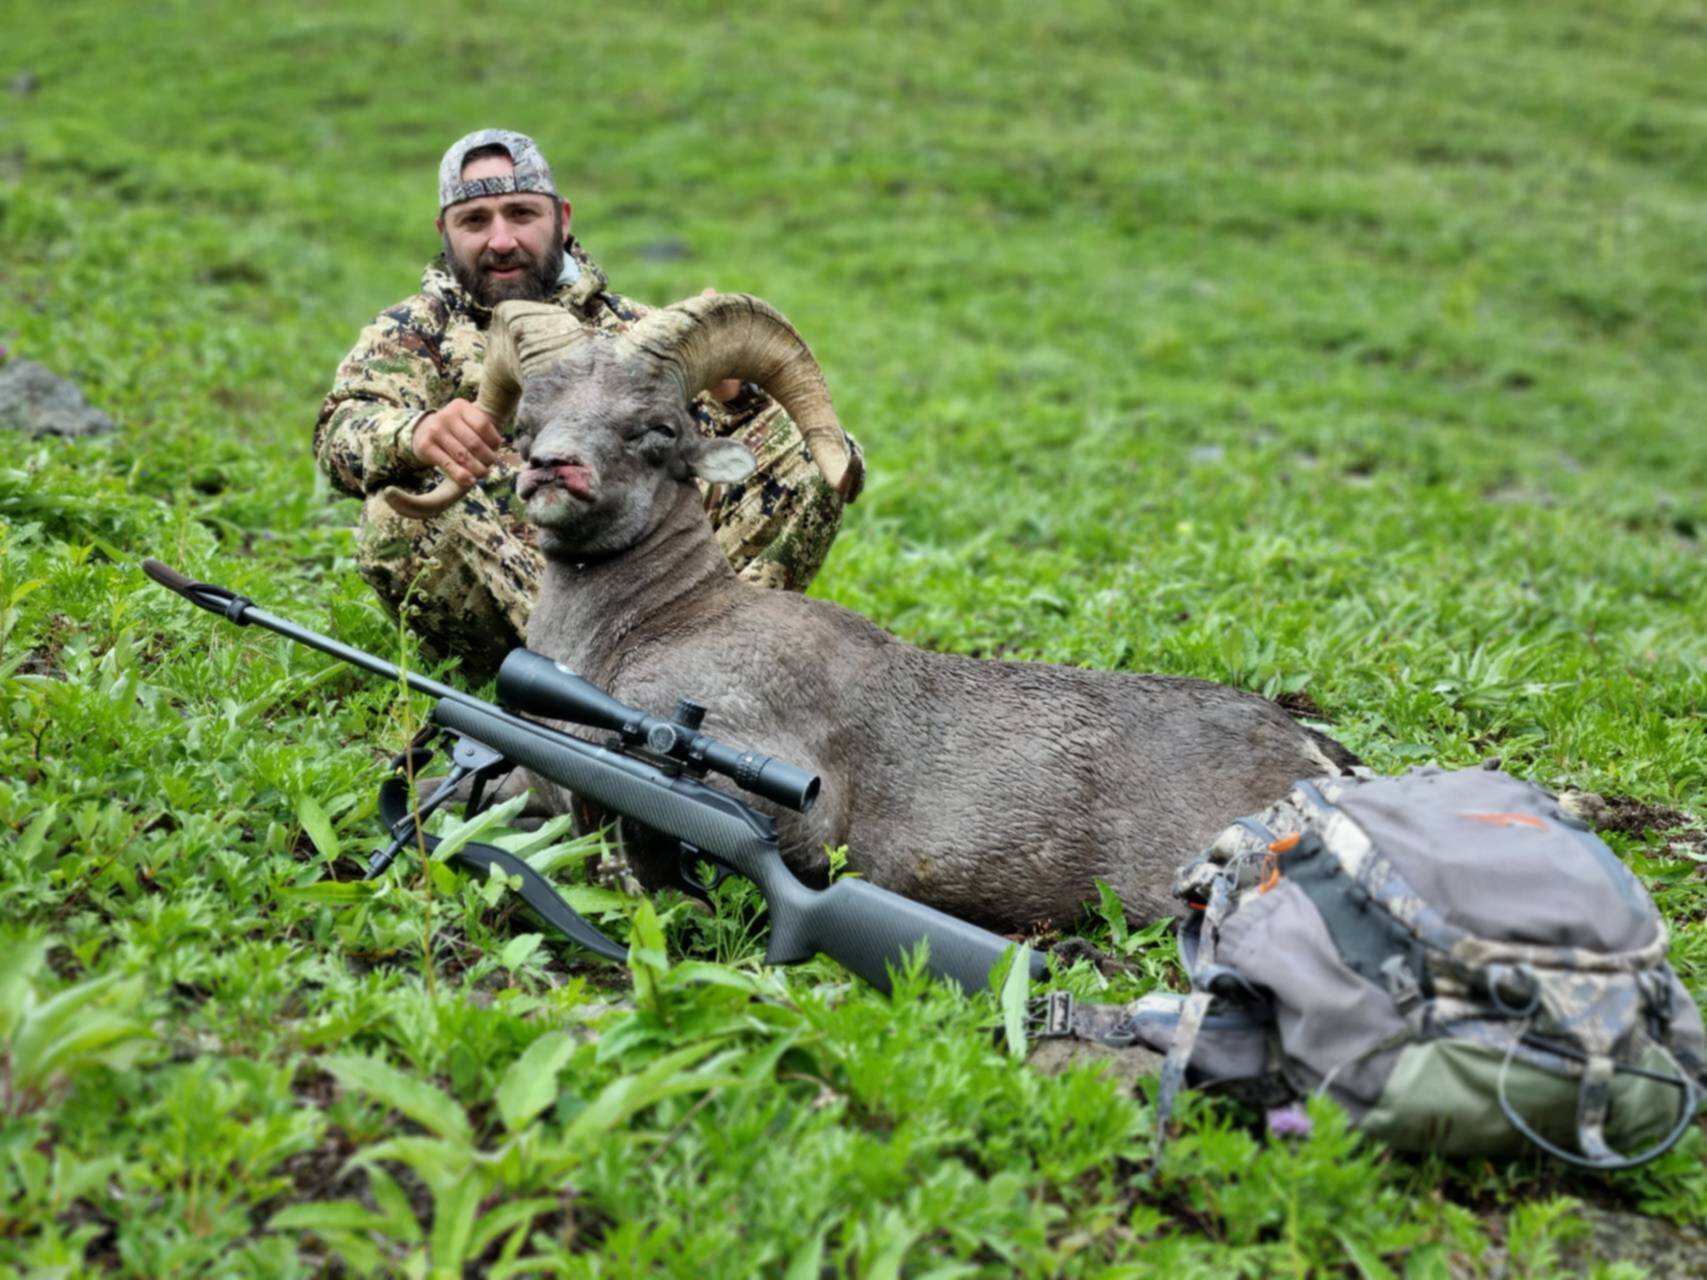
(691, 860)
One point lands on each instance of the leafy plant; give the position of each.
(47, 1040)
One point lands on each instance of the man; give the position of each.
(400, 411)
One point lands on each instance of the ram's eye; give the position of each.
(663, 429)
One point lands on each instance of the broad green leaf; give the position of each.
(445, 881)
(506, 1217)
(399, 1216)
(95, 1036)
(319, 828)
(1113, 914)
(518, 949)
(438, 1162)
(1367, 1260)
(327, 1215)
(25, 588)
(567, 853)
(497, 884)
(647, 958)
(35, 835)
(887, 1264)
(453, 1224)
(590, 899)
(460, 833)
(1015, 988)
(808, 1260)
(691, 973)
(1428, 1262)
(530, 1083)
(538, 841)
(20, 961)
(423, 1103)
(1151, 933)
(625, 1095)
(361, 1257)
(74, 1178)
(72, 1028)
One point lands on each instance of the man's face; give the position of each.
(508, 246)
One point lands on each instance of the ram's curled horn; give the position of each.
(735, 335)
(525, 338)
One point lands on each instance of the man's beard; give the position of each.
(537, 282)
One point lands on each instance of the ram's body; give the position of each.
(998, 791)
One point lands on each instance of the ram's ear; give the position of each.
(722, 461)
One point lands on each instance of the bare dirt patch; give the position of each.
(1300, 705)
(1628, 816)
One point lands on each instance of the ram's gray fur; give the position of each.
(998, 791)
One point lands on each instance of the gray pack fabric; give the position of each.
(1451, 956)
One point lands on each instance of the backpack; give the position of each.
(1451, 956)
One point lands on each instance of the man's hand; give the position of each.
(459, 440)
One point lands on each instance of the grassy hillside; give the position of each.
(1351, 352)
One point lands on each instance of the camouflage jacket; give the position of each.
(428, 350)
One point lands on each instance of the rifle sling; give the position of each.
(537, 892)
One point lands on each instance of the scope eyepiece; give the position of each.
(531, 682)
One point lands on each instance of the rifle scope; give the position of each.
(531, 682)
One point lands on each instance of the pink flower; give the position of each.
(1290, 1121)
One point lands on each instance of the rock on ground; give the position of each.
(1658, 1248)
(39, 402)
(1123, 1066)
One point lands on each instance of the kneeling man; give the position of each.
(401, 410)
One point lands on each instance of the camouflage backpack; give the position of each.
(1451, 956)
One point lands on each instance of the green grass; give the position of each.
(1346, 349)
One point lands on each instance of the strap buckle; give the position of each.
(1050, 1017)
(1402, 983)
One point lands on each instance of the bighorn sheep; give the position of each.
(997, 791)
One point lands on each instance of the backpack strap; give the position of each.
(1204, 973)
(1594, 1099)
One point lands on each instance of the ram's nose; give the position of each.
(576, 477)
(562, 470)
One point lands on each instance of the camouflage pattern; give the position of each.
(470, 577)
(531, 172)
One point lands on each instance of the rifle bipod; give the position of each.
(472, 759)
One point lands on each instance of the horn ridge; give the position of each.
(737, 335)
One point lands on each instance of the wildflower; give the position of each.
(1290, 1121)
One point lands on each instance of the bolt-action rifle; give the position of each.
(652, 771)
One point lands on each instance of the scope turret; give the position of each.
(532, 683)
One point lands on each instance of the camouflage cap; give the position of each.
(532, 172)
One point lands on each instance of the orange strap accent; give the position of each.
(1271, 863)
(1508, 819)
